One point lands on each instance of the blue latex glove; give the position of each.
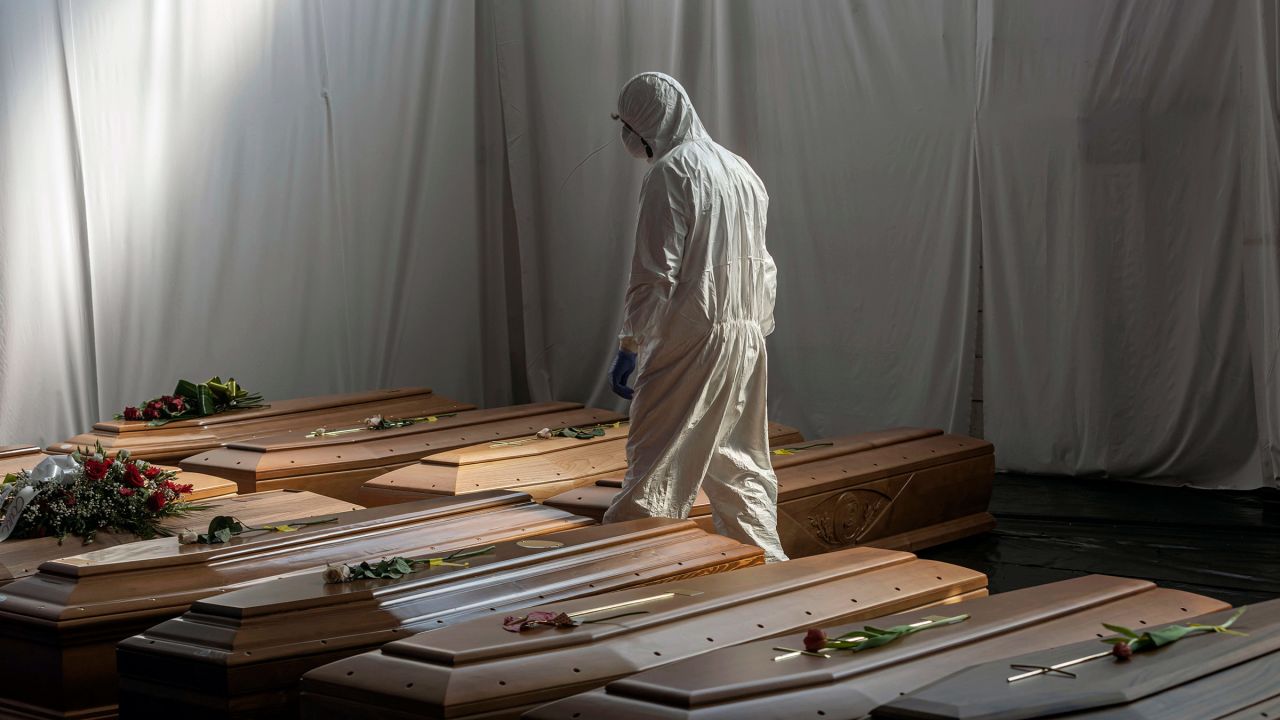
(623, 365)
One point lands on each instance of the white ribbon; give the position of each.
(60, 469)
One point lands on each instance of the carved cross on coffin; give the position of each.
(1200, 677)
(747, 682)
(176, 440)
(243, 653)
(337, 462)
(59, 627)
(477, 667)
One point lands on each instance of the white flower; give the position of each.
(374, 422)
(188, 537)
(337, 573)
(545, 433)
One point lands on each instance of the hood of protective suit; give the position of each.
(659, 110)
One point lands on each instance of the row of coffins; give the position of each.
(172, 441)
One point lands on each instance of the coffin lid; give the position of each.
(982, 692)
(272, 409)
(20, 558)
(155, 575)
(7, 451)
(499, 452)
(298, 439)
(748, 670)
(456, 665)
(306, 591)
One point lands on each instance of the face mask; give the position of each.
(632, 142)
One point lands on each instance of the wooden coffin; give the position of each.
(455, 672)
(242, 654)
(20, 558)
(746, 682)
(1198, 678)
(540, 467)
(336, 465)
(176, 440)
(203, 485)
(905, 489)
(59, 627)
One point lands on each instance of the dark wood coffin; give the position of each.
(20, 558)
(540, 467)
(242, 654)
(59, 627)
(746, 682)
(176, 440)
(337, 465)
(905, 489)
(456, 671)
(1198, 678)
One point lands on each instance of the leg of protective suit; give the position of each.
(700, 413)
(740, 481)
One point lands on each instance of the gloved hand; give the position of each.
(623, 365)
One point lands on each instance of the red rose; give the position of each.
(69, 500)
(132, 413)
(176, 405)
(166, 399)
(150, 413)
(156, 405)
(1122, 651)
(96, 469)
(133, 476)
(179, 489)
(152, 472)
(157, 501)
(125, 491)
(815, 640)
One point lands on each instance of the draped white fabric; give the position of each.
(329, 195)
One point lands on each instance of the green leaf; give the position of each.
(1121, 630)
(223, 535)
(188, 390)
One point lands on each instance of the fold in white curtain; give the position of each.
(333, 195)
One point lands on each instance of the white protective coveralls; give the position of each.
(698, 308)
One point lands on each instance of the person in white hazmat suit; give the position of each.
(698, 308)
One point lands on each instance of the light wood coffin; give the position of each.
(905, 489)
(1198, 678)
(242, 654)
(20, 558)
(540, 467)
(176, 440)
(59, 627)
(203, 485)
(478, 669)
(746, 682)
(336, 465)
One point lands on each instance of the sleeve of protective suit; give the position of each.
(655, 266)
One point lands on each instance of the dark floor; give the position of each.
(1223, 544)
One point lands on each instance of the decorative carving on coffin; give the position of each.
(745, 682)
(243, 653)
(59, 627)
(478, 668)
(338, 464)
(846, 518)
(176, 440)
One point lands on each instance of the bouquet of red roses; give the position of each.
(191, 400)
(82, 493)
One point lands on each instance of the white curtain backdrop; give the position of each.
(328, 195)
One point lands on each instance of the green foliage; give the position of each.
(872, 637)
(1168, 635)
